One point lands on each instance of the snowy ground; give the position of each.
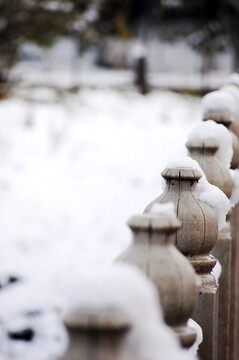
(73, 169)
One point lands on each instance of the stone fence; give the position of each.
(190, 256)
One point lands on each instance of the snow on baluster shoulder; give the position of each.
(233, 90)
(206, 192)
(222, 107)
(234, 199)
(163, 209)
(126, 287)
(211, 130)
(233, 79)
(219, 101)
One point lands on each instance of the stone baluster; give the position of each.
(154, 252)
(226, 121)
(195, 239)
(220, 106)
(204, 152)
(96, 334)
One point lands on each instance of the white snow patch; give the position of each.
(211, 130)
(163, 209)
(216, 271)
(192, 324)
(29, 306)
(234, 199)
(233, 79)
(125, 287)
(206, 192)
(138, 50)
(233, 90)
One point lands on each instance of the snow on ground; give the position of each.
(71, 173)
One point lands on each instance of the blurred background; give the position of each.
(96, 97)
(178, 37)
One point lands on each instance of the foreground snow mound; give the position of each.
(125, 287)
(206, 192)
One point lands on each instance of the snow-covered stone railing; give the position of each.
(222, 106)
(120, 313)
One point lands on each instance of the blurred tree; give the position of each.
(39, 21)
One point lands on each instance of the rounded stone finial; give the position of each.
(199, 230)
(97, 333)
(153, 251)
(195, 239)
(154, 222)
(208, 145)
(101, 319)
(204, 152)
(181, 173)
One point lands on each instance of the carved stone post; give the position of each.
(204, 152)
(222, 119)
(96, 334)
(195, 239)
(153, 251)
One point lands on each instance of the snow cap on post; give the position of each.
(219, 106)
(215, 163)
(210, 130)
